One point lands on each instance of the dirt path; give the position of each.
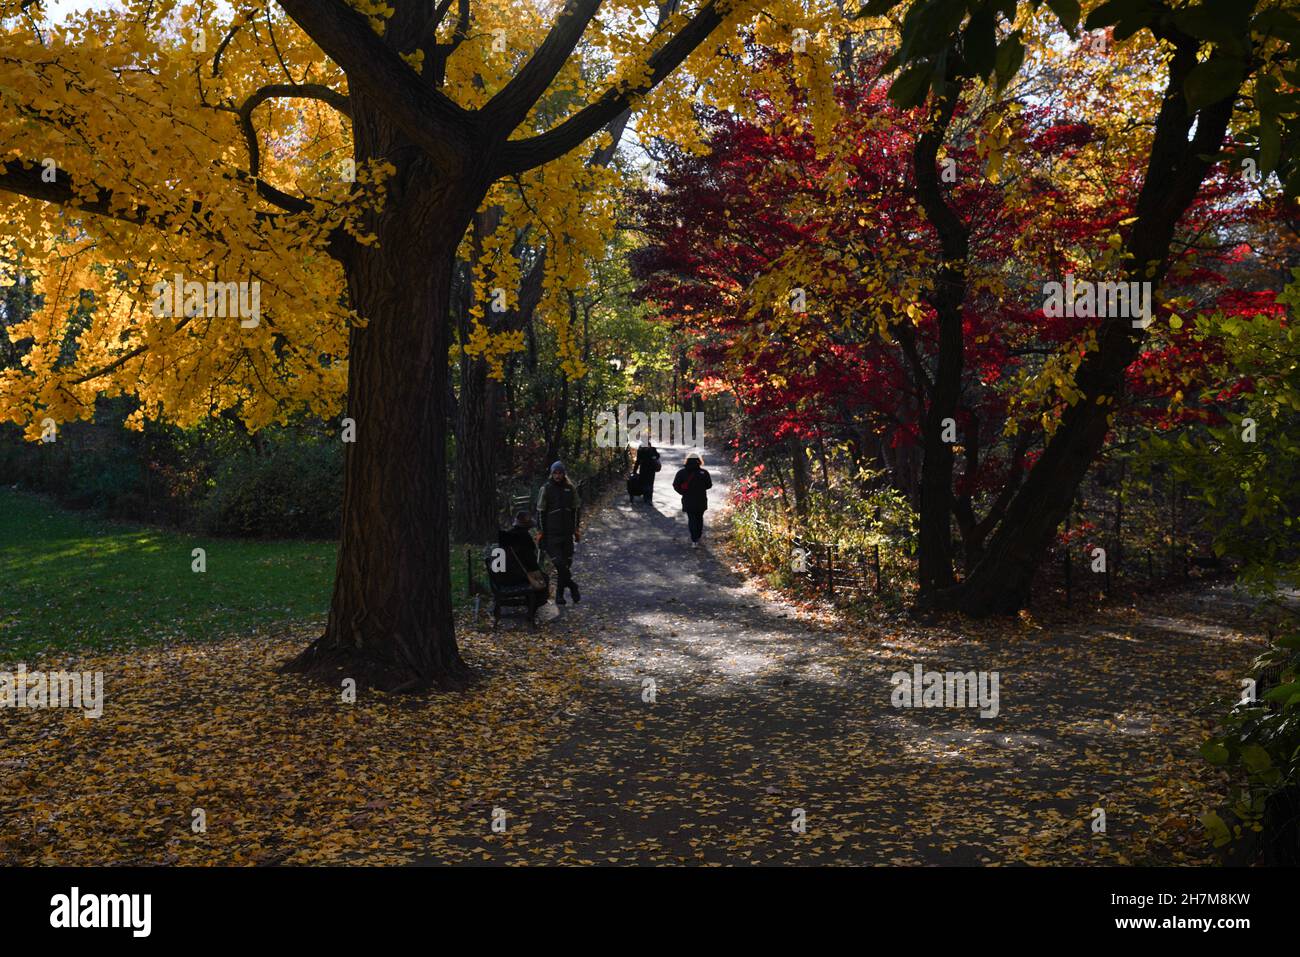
(761, 718)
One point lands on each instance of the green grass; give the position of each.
(69, 581)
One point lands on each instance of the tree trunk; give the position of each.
(390, 620)
(935, 533)
(555, 444)
(935, 538)
(799, 471)
(1179, 162)
(475, 511)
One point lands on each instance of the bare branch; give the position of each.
(525, 154)
(508, 107)
(306, 91)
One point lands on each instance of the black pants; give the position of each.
(695, 522)
(562, 558)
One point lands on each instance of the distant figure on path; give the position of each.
(692, 484)
(647, 464)
(560, 509)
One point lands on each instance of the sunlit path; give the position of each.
(760, 718)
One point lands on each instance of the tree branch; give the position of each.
(308, 91)
(521, 155)
(435, 65)
(441, 128)
(436, 17)
(507, 109)
(25, 179)
(230, 35)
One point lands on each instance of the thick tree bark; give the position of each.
(390, 621)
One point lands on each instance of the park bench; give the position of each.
(508, 589)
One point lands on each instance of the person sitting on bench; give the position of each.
(521, 554)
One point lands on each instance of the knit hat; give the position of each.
(558, 466)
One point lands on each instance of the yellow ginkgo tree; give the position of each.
(258, 206)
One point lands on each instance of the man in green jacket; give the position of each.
(559, 509)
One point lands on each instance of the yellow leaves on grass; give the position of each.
(281, 769)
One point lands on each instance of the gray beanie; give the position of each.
(558, 466)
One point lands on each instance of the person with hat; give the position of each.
(692, 484)
(521, 552)
(560, 510)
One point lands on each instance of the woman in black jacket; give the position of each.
(647, 464)
(692, 484)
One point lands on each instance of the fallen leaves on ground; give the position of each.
(762, 711)
(283, 771)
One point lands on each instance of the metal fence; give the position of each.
(1170, 557)
(831, 566)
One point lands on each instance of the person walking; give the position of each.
(692, 484)
(647, 464)
(560, 510)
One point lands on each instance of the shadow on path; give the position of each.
(720, 719)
